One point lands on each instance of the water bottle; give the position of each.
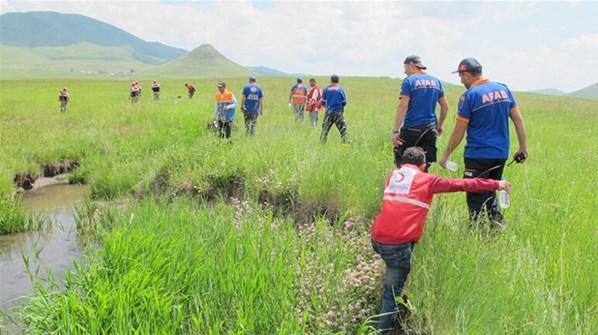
(504, 198)
(451, 166)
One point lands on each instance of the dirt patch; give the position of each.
(157, 186)
(280, 203)
(284, 203)
(67, 165)
(228, 187)
(310, 211)
(26, 180)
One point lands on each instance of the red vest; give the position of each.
(407, 198)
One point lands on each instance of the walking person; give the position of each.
(484, 110)
(134, 93)
(252, 104)
(224, 110)
(400, 223)
(190, 90)
(416, 123)
(334, 99)
(314, 98)
(298, 98)
(138, 85)
(63, 97)
(156, 90)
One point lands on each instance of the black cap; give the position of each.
(415, 60)
(469, 64)
(221, 83)
(334, 78)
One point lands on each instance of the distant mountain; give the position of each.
(266, 71)
(590, 92)
(204, 61)
(50, 29)
(549, 91)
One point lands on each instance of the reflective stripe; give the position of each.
(395, 198)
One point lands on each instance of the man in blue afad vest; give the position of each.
(484, 110)
(252, 104)
(335, 100)
(416, 124)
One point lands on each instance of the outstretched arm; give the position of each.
(445, 185)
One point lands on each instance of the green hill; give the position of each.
(50, 29)
(204, 61)
(79, 60)
(590, 92)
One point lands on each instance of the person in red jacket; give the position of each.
(314, 99)
(399, 225)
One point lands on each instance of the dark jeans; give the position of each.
(424, 137)
(480, 202)
(224, 128)
(338, 120)
(250, 121)
(398, 265)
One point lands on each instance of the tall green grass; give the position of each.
(181, 268)
(535, 278)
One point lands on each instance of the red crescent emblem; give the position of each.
(401, 178)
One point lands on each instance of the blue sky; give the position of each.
(527, 45)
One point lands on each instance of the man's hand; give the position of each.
(442, 160)
(504, 185)
(523, 153)
(396, 139)
(439, 130)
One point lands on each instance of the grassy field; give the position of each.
(254, 260)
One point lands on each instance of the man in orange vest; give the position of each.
(399, 225)
(224, 110)
(298, 98)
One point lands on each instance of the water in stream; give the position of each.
(51, 249)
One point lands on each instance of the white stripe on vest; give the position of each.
(395, 198)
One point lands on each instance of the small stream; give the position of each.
(51, 249)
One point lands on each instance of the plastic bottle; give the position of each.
(451, 166)
(504, 198)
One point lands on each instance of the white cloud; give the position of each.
(6, 6)
(361, 38)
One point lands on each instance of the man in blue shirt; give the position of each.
(335, 100)
(416, 124)
(484, 112)
(252, 104)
